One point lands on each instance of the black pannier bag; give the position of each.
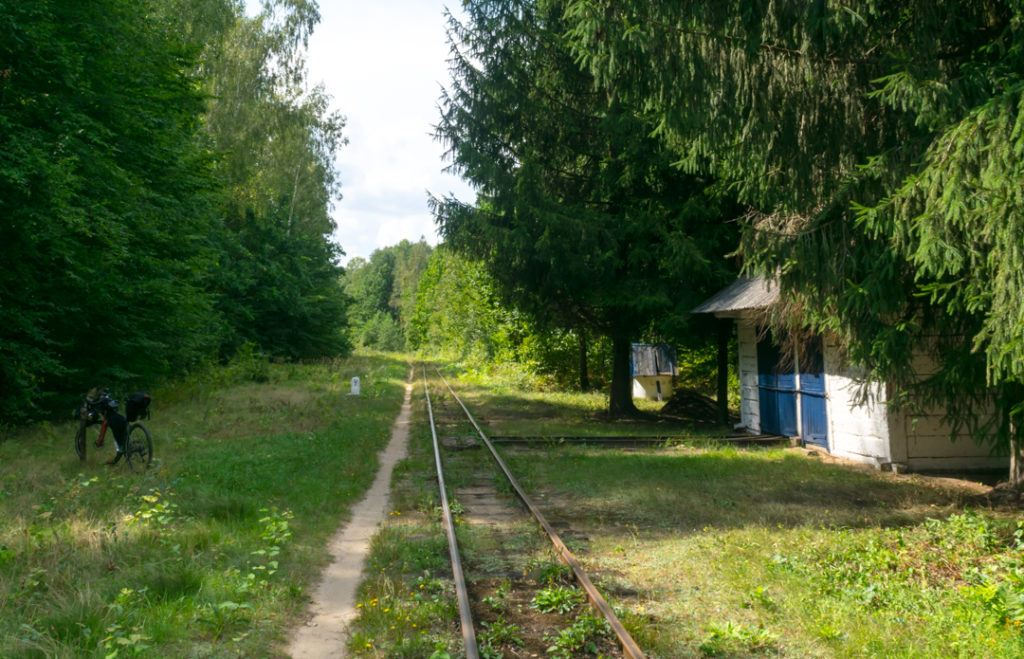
(137, 406)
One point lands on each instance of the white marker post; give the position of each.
(355, 387)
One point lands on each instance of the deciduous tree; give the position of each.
(106, 193)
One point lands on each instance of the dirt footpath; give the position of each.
(334, 603)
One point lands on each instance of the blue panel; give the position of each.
(814, 425)
(813, 413)
(767, 360)
(776, 390)
(787, 413)
(769, 411)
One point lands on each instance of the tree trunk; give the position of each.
(1016, 460)
(621, 399)
(1015, 392)
(584, 373)
(724, 332)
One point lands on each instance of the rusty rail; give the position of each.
(629, 646)
(461, 592)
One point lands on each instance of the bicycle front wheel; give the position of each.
(139, 453)
(80, 442)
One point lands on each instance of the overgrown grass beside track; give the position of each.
(211, 552)
(709, 551)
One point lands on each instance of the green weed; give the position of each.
(733, 638)
(556, 599)
(579, 637)
(500, 632)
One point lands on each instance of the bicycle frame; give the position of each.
(103, 433)
(90, 417)
(137, 445)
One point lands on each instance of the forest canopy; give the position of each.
(581, 217)
(877, 148)
(166, 175)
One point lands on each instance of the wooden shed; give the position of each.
(812, 395)
(653, 365)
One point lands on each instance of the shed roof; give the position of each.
(744, 293)
(653, 359)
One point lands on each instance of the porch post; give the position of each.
(724, 332)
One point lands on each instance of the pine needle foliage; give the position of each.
(877, 146)
(580, 217)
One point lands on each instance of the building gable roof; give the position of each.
(744, 293)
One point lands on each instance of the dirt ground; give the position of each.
(325, 631)
(983, 487)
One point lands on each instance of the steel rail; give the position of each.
(461, 592)
(629, 646)
(634, 439)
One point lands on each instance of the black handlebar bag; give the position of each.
(137, 406)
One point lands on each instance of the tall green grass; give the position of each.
(213, 550)
(712, 551)
(767, 552)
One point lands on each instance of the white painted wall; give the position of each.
(646, 386)
(857, 432)
(927, 441)
(866, 433)
(870, 433)
(750, 406)
(929, 446)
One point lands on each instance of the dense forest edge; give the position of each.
(167, 187)
(167, 181)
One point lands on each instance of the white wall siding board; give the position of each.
(864, 432)
(750, 407)
(646, 386)
(928, 437)
(858, 432)
(928, 445)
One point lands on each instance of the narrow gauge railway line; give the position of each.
(632, 440)
(629, 647)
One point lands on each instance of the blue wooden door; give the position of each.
(777, 393)
(813, 419)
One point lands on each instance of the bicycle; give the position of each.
(97, 409)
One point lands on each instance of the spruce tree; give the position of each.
(877, 145)
(580, 217)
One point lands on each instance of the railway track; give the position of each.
(629, 648)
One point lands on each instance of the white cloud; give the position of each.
(383, 63)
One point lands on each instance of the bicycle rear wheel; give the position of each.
(139, 453)
(81, 439)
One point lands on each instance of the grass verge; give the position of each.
(209, 553)
(710, 551)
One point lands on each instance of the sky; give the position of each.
(383, 62)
